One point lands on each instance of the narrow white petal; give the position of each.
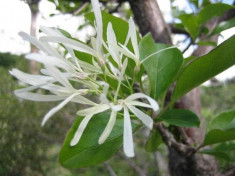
(108, 127)
(125, 51)
(37, 96)
(40, 45)
(27, 89)
(116, 107)
(32, 40)
(137, 103)
(94, 110)
(74, 57)
(70, 43)
(112, 41)
(50, 31)
(82, 100)
(48, 60)
(153, 103)
(57, 108)
(148, 121)
(30, 79)
(99, 24)
(128, 145)
(80, 130)
(54, 72)
(123, 69)
(134, 37)
(103, 96)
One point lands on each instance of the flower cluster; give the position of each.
(61, 74)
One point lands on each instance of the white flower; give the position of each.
(127, 104)
(61, 72)
(133, 37)
(63, 90)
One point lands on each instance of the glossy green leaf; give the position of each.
(216, 153)
(223, 121)
(211, 11)
(205, 67)
(88, 152)
(191, 25)
(154, 141)
(218, 136)
(180, 117)
(223, 26)
(161, 67)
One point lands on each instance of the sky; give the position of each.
(15, 17)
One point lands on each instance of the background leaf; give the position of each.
(154, 141)
(218, 136)
(88, 152)
(180, 117)
(215, 153)
(223, 120)
(223, 26)
(205, 67)
(191, 24)
(162, 67)
(212, 10)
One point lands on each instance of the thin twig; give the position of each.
(132, 165)
(80, 8)
(109, 169)
(187, 47)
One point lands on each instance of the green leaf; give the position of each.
(212, 10)
(180, 117)
(218, 136)
(223, 26)
(223, 121)
(191, 25)
(206, 43)
(205, 3)
(154, 141)
(88, 152)
(161, 67)
(226, 147)
(216, 153)
(205, 67)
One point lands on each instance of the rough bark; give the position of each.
(149, 18)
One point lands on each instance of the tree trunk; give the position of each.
(149, 19)
(33, 65)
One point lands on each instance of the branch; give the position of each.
(229, 172)
(176, 30)
(187, 47)
(170, 141)
(132, 165)
(109, 169)
(80, 8)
